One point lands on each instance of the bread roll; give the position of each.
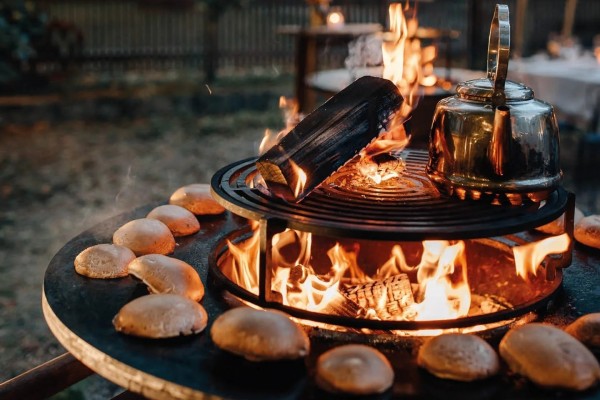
(459, 357)
(158, 316)
(557, 226)
(104, 261)
(165, 274)
(586, 329)
(354, 369)
(587, 231)
(197, 199)
(549, 357)
(259, 335)
(181, 222)
(145, 236)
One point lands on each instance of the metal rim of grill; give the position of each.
(413, 211)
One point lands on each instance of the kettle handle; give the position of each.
(498, 53)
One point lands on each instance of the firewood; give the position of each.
(390, 297)
(337, 303)
(329, 137)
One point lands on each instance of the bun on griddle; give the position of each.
(158, 316)
(180, 221)
(104, 261)
(259, 335)
(549, 357)
(197, 199)
(145, 236)
(459, 357)
(354, 369)
(165, 274)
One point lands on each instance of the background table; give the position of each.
(571, 86)
(307, 41)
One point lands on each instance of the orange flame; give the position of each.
(291, 117)
(407, 65)
(243, 266)
(442, 297)
(300, 178)
(442, 288)
(529, 257)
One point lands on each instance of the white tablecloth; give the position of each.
(571, 86)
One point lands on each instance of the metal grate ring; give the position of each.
(410, 210)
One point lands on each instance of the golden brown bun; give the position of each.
(459, 357)
(196, 198)
(355, 369)
(145, 236)
(259, 335)
(180, 221)
(586, 329)
(587, 231)
(159, 316)
(165, 274)
(557, 226)
(104, 261)
(549, 357)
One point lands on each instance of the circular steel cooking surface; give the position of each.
(410, 209)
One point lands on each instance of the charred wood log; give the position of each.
(390, 297)
(329, 137)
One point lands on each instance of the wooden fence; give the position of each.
(152, 34)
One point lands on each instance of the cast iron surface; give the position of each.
(414, 210)
(87, 307)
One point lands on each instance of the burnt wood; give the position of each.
(329, 137)
(86, 307)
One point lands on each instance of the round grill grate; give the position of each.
(404, 208)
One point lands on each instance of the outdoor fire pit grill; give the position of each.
(408, 211)
(79, 310)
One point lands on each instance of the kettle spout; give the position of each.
(499, 150)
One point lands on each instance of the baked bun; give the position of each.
(459, 357)
(197, 199)
(259, 335)
(587, 231)
(181, 222)
(354, 369)
(586, 329)
(104, 261)
(165, 274)
(145, 236)
(159, 316)
(549, 357)
(557, 226)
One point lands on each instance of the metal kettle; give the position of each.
(493, 139)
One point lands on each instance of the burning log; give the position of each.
(390, 298)
(329, 137)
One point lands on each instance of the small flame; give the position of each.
(243, 268)
(529, 257)
(291, 117)
(300, 178)
(443, 298)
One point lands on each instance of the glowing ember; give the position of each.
(529, 257)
